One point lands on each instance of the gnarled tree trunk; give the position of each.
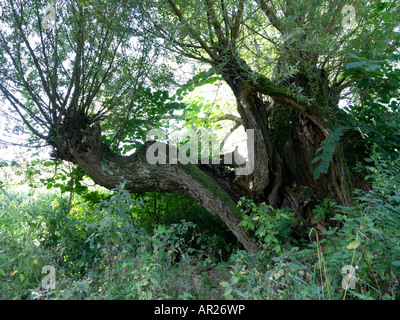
(287, 137)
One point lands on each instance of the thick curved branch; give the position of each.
(141, 176)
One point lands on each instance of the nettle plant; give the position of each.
(369, 239)
(271, 226)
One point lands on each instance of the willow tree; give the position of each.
(77, 74)
(286, 62)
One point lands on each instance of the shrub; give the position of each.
(98, 251)
(364, 251)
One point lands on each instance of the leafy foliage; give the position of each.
(368, 241)
(271, 226)
(376, 114)
(327, 149)
(98, 251)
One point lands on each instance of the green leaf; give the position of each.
(352, 55)
(149, 294)
(326, 156)
(277, 248)
(115, 238)
(353, 245)
(161, 229)
(352, 65)
(228, 290)
(361, 296)
(329, 147)
(317, 173)
(242, 224)
(316, 159)
(324, 166)
(372, 67)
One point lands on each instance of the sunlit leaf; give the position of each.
(353, 245)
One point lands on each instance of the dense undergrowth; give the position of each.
(112, 245)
